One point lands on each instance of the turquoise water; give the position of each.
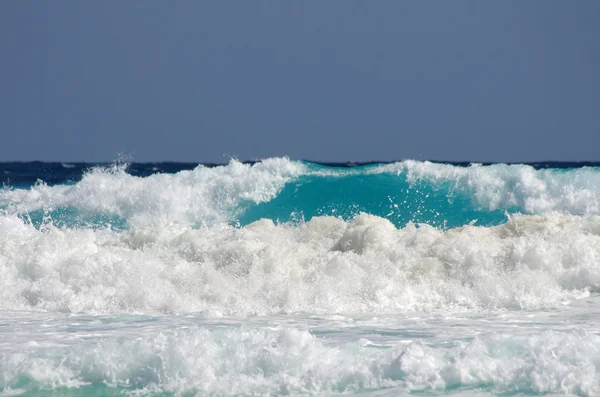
(386, 195)
(285, 277)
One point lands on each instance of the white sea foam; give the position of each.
(323, 266)
(500, 186)
(197, 197)
(274, 361)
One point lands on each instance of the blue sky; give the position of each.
(318, 80)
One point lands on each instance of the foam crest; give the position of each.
(322, 266)
(249, 361)
(197, 197)
(501, 186)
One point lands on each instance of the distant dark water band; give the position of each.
(53, 173)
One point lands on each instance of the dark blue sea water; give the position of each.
(284, 277)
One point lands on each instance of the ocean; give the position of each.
(285, 277)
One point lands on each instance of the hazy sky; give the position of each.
(322, 80)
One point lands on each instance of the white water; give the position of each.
(198, 197)
(323, 266)
(395, 355)
(500, 186)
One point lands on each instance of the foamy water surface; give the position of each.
(292, 278)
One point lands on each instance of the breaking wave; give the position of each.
(325, 265)
(283, 190)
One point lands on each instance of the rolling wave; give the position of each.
(283, 190)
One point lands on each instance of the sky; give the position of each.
(203, 81)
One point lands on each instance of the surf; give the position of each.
(325, 265)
